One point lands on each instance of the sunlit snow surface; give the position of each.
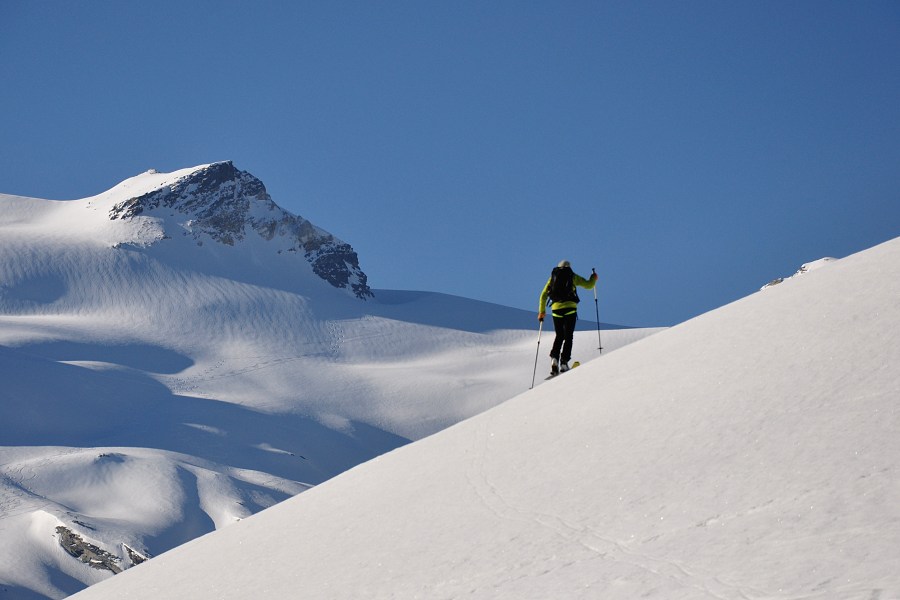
(155, 389)
(749, 453)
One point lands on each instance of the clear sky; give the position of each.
(690, 151)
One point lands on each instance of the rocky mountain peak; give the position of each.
(226, 204)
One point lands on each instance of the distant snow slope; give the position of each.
(167, 372)
(752, 452)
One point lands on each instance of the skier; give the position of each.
(560, 290)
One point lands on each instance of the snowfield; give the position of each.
(749, 453)
(159, 385)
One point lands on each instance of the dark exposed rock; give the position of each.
(135, 556)
(86, 552)
(226, 204)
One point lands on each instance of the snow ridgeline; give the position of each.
(804, 268)
(751, 452)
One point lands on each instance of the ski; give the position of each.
(552, 375)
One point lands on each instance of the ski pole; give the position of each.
(597, 307)
(536, 353)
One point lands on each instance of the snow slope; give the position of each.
(749, 453)
(159, 384)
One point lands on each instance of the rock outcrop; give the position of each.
(226, 204)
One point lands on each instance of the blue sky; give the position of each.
(690, 151)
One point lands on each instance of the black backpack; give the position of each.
(562, 285)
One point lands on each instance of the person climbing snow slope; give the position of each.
(561, 292)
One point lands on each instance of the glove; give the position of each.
(541, 317)
(594, 276)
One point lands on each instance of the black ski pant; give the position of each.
(565, 331)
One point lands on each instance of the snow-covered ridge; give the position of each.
(804, 268)
(752, 452)
(222, 203)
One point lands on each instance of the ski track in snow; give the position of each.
(603, 547)
(220, 369)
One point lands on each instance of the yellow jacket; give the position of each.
(561, 309)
